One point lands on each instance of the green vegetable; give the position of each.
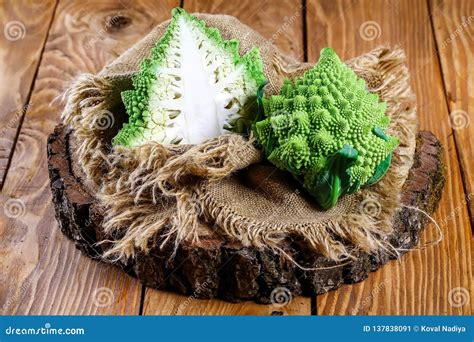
(327, 130)
(194, 86)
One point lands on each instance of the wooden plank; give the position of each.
(423, 281)
(161, 303)
(453, 22)
(42, 272)
(283, 24)
(25, 27)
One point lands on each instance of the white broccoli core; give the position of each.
(199, 90)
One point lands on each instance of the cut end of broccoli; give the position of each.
(194, 86)
(319, 118)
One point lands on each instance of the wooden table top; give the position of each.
(45, 44)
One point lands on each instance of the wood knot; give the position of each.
(117, 22)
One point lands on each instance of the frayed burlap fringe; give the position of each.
(86, 101)
(153, 186)
(168, 190)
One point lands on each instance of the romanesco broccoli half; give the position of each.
(328, 130)
(194, 86)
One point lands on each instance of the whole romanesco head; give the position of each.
(194, 86)
(328, 130)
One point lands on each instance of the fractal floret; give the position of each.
(194, 86)
(328, 130)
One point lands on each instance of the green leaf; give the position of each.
(380, 171)
(334, 180)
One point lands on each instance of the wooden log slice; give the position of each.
(218, 268)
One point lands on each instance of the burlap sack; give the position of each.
(170, 190)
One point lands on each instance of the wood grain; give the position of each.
(176, 304)
(284, 25)
(42, 272)
(453, 22)
(25, 26)
(421, 282)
